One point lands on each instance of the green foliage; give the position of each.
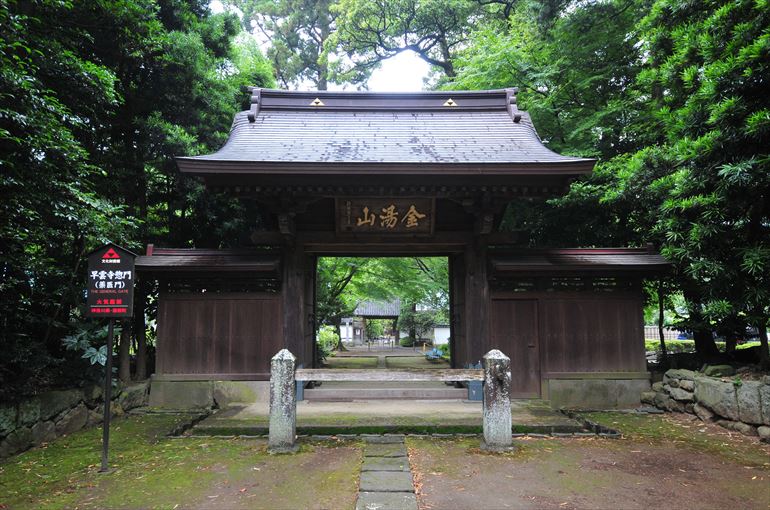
(297, 31)
(406, 341)
(572, 77)
(375, 328)
(416, 322)
(343, 282)
(674, 346)
(328, 340)
(671, 97)
(96, 98)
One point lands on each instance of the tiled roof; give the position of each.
(160, 260)
(484, 129)
(585, 259)
(376, 309)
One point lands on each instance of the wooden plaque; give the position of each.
(385, 216)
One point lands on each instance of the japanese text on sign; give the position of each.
(110, 282)
(382, 215)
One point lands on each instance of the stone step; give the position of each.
(349, 394)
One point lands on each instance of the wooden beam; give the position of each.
(447, 375)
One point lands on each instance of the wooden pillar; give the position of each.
(293, 302)
(476, 302)
(309, 277)
(457, 349)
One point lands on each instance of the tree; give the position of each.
(678, 119)
(370, 31)
(91, 115)
(416, 322)
(573, 75)
(297, 31)
(51, 209)
(706, 81)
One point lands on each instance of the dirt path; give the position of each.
(639, 473)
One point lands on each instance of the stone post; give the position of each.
(497, 401)
(283, 403)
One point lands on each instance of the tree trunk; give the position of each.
(338, 325)
(140, 331)
(661, 333)
(764, 352)
(412, 328)
(705, 346)
(124, 353)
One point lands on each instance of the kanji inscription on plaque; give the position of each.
(378, 215)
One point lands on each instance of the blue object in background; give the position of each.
(475, 388)
(300, 385)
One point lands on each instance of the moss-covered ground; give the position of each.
(151, 470)
(351, 362)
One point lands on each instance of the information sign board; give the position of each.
(110, 284)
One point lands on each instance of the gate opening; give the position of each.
(389, 313)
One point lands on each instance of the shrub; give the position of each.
(676, 346)
(327, 341)
(406, 342)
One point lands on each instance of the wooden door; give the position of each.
(514, 331)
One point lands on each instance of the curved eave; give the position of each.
(204, 167)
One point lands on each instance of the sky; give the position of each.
(403, 73)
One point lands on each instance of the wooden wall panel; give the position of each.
(514, 331)
(592, 333)
(218, 334)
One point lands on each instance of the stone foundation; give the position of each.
(742, 406)
(44, 417)
(596, 393)
(173, 394)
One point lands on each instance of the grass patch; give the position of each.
(664, 429)
(351, 362)
(151, 470)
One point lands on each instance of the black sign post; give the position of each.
(110, 278)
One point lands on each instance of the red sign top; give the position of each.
(111, 254)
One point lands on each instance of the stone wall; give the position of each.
(44, 417)
(742, 406)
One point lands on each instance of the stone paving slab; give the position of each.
(416, 416)
(385, 450)
(386, 501)
(386, 481)
(385, 464)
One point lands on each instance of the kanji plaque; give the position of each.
(111, 278)
(378, 215)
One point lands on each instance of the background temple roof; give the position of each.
(378, 309)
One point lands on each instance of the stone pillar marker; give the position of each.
(283, 403)
(497, 402)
